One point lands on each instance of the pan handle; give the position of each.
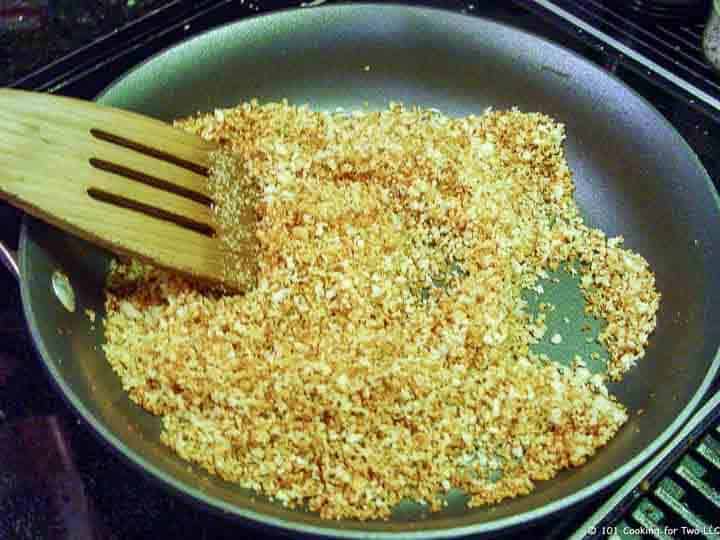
(9, 260)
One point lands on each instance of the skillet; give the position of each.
(634, 173)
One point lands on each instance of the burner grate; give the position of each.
(676, 495)
(662, 9)
(685, 502)
(664, 52)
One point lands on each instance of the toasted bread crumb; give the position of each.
(385, 352)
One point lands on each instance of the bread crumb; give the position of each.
(383, 352)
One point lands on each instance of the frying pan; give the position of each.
(635, 176)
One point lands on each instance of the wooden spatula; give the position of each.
(130, 183)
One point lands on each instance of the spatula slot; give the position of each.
(131, 204)
(149, 151)
(150, 180)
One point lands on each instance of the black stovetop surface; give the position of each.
(54, 473)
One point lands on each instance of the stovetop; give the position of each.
(57, 480)
(671, 49)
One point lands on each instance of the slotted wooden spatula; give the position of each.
(130, 183)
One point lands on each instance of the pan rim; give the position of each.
(216, 504)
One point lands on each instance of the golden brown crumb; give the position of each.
(234, 191)
(385, 352)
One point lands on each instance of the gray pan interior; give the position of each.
(635, 176)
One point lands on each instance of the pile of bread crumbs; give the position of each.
(385, 352)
